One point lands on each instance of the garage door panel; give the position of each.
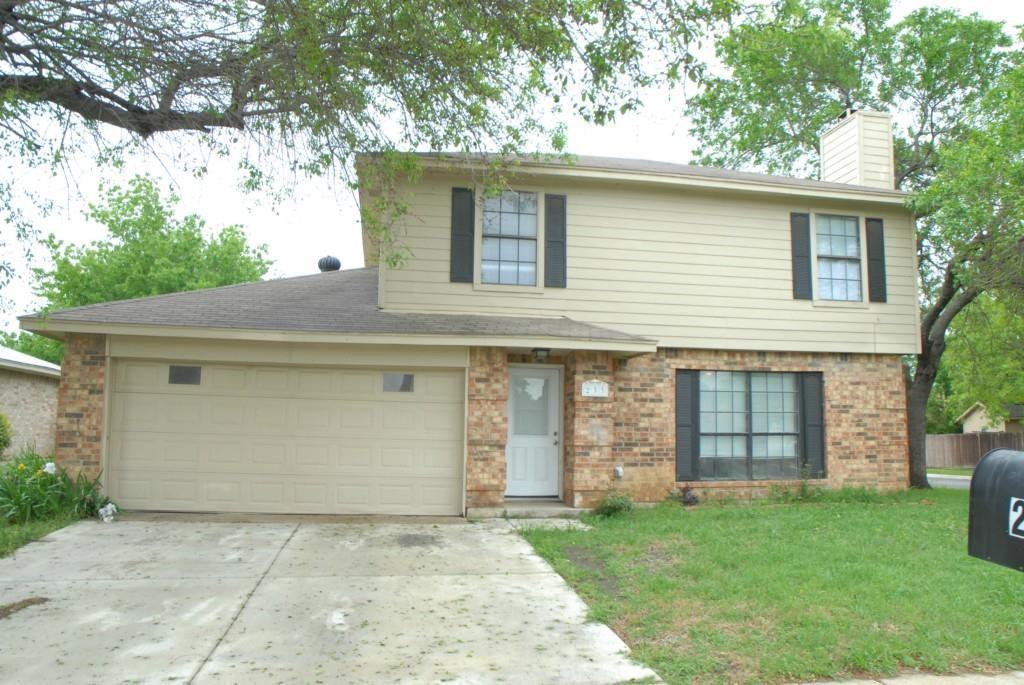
(281, 439)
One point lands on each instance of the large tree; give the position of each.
(793, 66)
(149, 250)
(304, 83)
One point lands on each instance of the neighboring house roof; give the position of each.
(613, 165)
(1014, 411)
(18, 361)
(338, 302)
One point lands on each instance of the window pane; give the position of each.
(509, 224)
(707, 401)
(739, 401)
(184, 375)
(723, 446)
(527, 203)
(788, 382)
(707, 380)
(528, 251)
(739, 445)
(398, 382)
(707, 446)
(739, 423)
(528, 225)
(527, 274)
(723, 401)
(491, 251)
(758, 401)
(492, 221)
(775, 423)
(492, 204)
(489, 272)
(707, 422)
(508, 273)
(759, 446)
(509, 250)
(530, 406)
(759, 422)
(510, 201)
(724, 422)
(853, 291)
(839, 290)
(825, 289)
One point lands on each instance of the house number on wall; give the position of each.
(595, 388)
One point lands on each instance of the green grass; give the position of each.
(14, 535)
(770, 593)
(952, 472)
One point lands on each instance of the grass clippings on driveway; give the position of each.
(14, 535)
(803, 591)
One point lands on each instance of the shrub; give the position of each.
(6, 433)
(33, 488)
(615, 503)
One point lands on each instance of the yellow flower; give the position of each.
(21, 467)
(39, 472)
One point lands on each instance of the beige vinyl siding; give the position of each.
(876, 151)
(839, 154)
(687, 267)
(859, 150)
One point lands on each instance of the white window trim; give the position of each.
(863, 302)
(478, 245)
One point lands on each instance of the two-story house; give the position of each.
(601, 325)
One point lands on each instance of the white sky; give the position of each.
(321, 217)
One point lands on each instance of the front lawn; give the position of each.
(802, 591)
(951, 472)
(14, 535)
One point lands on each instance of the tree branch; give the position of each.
(93, 104)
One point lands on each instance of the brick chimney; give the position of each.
(858, 150)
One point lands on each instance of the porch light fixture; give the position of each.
(540, 353)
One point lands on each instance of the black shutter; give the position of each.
(813, 419)
(554, 241)
(800, 242)
(463, 220)
(876, 260)
(687, 424)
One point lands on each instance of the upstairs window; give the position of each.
(510, 239)
(839, 270)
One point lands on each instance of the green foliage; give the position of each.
(614, 504)
(37, 346)
(795, 66)
(28, 492)
(150, 251)
(984, 358)
(6, 433)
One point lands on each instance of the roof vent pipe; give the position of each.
(329, 264)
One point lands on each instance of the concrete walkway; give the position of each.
(283, 602)
(938, 480)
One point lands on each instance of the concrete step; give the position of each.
(526, 509)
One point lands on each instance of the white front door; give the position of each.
(534, 438)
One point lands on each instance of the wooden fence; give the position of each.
(964, 450)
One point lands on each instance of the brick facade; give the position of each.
(486, 426)
(80, 404)
(29, 401)
(634, 427)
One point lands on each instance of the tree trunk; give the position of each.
(917, 406)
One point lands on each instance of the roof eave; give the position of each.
(52, 327)
(774, 187)
(29, 368)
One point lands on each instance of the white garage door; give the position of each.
(189, 436)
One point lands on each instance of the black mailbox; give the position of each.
(996, 526)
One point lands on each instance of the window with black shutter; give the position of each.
(740, 425)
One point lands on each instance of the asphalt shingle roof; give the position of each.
(332, 302)
(644, 166)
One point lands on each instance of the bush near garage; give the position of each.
(33, 488)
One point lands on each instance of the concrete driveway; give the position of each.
(186, 600)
